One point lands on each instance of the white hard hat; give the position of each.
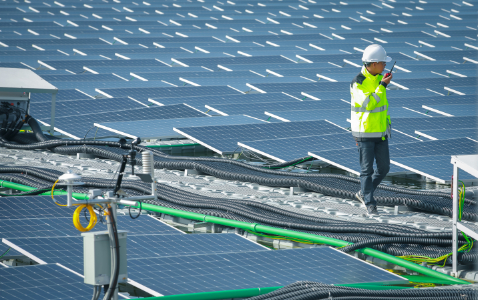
(375, 53)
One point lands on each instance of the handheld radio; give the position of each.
(390, 73)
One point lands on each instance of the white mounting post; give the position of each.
(71, 179)
(148, 168)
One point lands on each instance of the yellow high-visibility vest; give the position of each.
(369, 107)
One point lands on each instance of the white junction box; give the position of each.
(97, 257)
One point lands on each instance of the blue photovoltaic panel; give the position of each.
(295, 89)
(78, 130)
(337, 116)
(42, 110)
(437, 84)
(435, 166)
(81, 77)
(416, 104)
(409, 125)
(175, 74)
(261, 68)
(456, 110)
(443, 134)
(51, 72)
(77, 66)
(48, 282)
(392, 95)
(28, 207)
(148, 129)
(458, 146)
(62, 226)
(257, 110)
(204, 273)
(460, 90)
(188, 244)
(347, 159)
(69, 250)
(240, 83)
(287, 149)
(126, 71)
(214, 61)
(223, 139)
(61, 95)
(200, 101)
(143, 94)
(91, 88)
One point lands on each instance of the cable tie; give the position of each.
(254, 226)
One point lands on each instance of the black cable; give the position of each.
(114, 279)
(139, 213)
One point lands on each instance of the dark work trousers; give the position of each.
(370, 179)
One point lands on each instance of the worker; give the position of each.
(370, 123)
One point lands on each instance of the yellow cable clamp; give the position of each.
(76, 218)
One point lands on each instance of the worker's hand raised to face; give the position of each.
(387, 79)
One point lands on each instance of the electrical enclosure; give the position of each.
(97, 257)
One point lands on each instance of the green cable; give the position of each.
(5, 253)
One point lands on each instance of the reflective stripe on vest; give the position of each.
(367, 100)
(362, 109)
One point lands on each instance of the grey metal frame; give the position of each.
(468, 163)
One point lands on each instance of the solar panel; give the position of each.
(77, 66)
(261, 68)
(458, 146)
(39, 226)
(213, 62)
(437, 84)
(336, 116)
(409, 125)
(223, 139)
(28, 207)
(203, 273)
(82, 77)
(60, 95)
(436, 167)
(443, 134)
(91, 88)
(287, 149)
(161, 129)
(52, 72)
(42, 110)
(258, 109)
(49, 282)
(126, 71)
(348, 160)
(204, 74)
(295, 89)
(200, 101)
(461, 90)
(451, 110)
(68, 251)
(143, 94)
(188, 244)
(78, 130)
(240, 83)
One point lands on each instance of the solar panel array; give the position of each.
(208, 54)
(187, 260)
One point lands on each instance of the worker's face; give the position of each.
(379, 67)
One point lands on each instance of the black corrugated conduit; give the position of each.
(384, 237)
(306, 290)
